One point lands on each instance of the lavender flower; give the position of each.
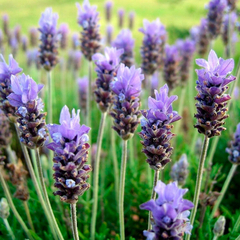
(125, 110)
(17, 33)
(6, 71)
(32, 58)
(75, 41)
(82, 90)
(109, 33)
(186, 49)
(121, 14)
(70, 155)
(24, 41)
(63, 31)
(215, 17)
(31, 120)
(179, 171)
(125, 41)
(152, 47)
(156, 128)
(108, 10)
(154, 83)
(88, 19)
(107, 67)
(171, 66)
(232, 4)
(33, 32)
(5, 132)
(48, 48)
(170, 213)
(228, 23)
(14, 45)
(131, 18)
(5, 19)
(211, 86)
(234, 149)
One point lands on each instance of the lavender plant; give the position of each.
(170, 213)
(108, 10)
(121, 14)
(63, 31)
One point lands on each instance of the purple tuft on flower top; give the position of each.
(31, 119)
(48, 48)
(153, 44)
(70, 155)
(88, 19)
(125, 41)
(6, 71)
(211, 86)
(106, 68)
(170, 213)
(63, 31)
(234, 149)
(156, 128)
(125, 111)
(215, 17)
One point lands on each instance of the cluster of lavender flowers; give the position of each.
(170, 213)
(211, 86)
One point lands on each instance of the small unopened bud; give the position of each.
(4, 208)
(219, 226)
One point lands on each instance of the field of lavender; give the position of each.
(153, 151)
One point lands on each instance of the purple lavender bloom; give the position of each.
(31, 119)
(121, 14)
(17, 33)
(125, 110)
(24, 41)
(131, 18)
(170, 213)
(234, 149)
(125, 41)
(106, 68)
(211, 86)
(5, 131)
(215, 17)
(186, 49)
(48, 48)
(14, 45)
(6, 71)
(108, 10)
(88, 19)
(5, 19)
(153, 44)
(82, 90)
(156, 128)
(33, 33)
(75, 41)
(171, 66)
(70, 155)
(232, 4)
(109, 33)
(63, 31)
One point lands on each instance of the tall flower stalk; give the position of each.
(156, 133)
(211, 106)
(106, 68)
(126, 113)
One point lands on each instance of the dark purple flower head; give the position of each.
(107, 67)
(48, 22)
(170, 213)
(5, 19)
(234, 149)
(215, 17)
(125, 110)
(5, 131)
(128, 83)
(211, 86)
(87, 14)
(70, 155)
(156, 128)
(63, 31)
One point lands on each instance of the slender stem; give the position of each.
(237, 224)
(215, 237)
(8, 228)
(115, 164)
(10, 154)
(26, 208)
(46, 195)
(238, 238)
(33, 157)
(121, 190)
(153, 196)
(224, 189)
(96, 175)
(199, 181)
(11, 204)
(131, 154)
(49, 80)
(74, 221)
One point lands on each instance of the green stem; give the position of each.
(33, 157)
(74, 221)
(121, 190)
(215, 237)
(46, 195)
(49, 81)
(131, 154)
(224, 189)
(238, 238)
(96, 175)
(199, 181)
(10, 154)
(237, 224)
(153, 196)
(11, 204)
(8, 228)
(26, 208)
